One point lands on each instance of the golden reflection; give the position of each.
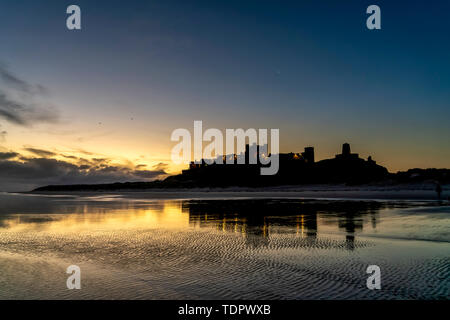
(105, 214)
(167, 214)
(303, 224)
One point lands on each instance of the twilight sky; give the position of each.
(99, 105)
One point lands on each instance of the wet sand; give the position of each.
(224, 249)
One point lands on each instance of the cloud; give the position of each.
(40, 152)
(13, 81)
(29, 173)
(161, 166)
(8, 155)
(3, 134)
(25, 113)
(69, 157)
(18, 101)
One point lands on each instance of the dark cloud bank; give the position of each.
(18, 173)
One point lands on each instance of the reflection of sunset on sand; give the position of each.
(262, 248)
(86, 218)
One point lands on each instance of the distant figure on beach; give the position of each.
(438, 190)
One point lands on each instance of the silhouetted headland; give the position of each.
(294, 169)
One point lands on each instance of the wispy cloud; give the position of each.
(13, 81)
(40, 152)
(19, 101)
(161, 166)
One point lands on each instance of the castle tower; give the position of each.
(346, 149)
(346, 153)
(308, 155)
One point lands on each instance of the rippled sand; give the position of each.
(222, 249)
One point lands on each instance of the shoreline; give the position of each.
(366, 192)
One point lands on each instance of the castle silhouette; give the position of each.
(294, 168)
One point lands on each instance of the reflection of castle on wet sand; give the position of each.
(257, 220)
